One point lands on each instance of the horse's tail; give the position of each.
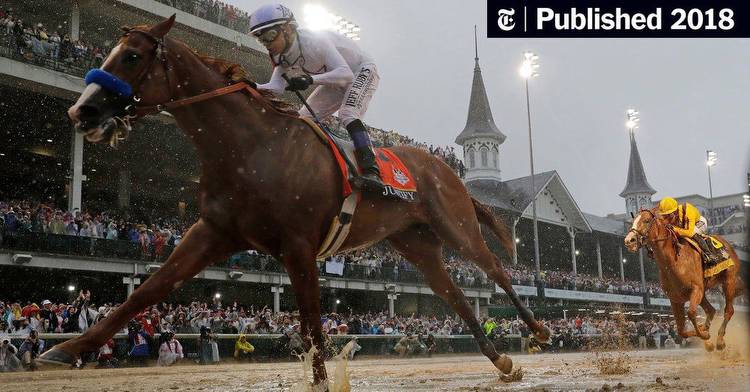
(501, 231)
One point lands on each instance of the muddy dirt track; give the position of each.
(676, 370)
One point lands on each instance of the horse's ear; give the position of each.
(126, 29)
(161, 29)
(632, 215)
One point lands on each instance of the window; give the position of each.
(483, 153)
(472, 159)
(494, 158)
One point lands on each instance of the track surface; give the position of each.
(679, 369)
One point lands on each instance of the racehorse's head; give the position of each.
(134, 71)
(640, 229)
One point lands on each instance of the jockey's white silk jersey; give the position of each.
(330, 58)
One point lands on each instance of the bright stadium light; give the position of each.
(530, 66)
(711, 158)
(317, 18)
(217, 295)
(518, 240)
(633, 119)
(71, 288)
(746, 200)
(624, 261)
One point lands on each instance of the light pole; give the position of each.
(632, 124)
(711, 159)
(529, 69)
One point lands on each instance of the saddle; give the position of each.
(397, 180)
(711, 268)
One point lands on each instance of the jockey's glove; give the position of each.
(299, 83)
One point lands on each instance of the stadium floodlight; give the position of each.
(529, 66)
(746, 200)
(578, 252)
(528, 69)
(711, 160)
(518, 240)
(633, 119)
(317, 18)
(338, 301)
(71, 288)
(217, 295)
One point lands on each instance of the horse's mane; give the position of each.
(235, 73)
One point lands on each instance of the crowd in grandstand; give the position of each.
(79, 315)
(25, 323)
(157, 238)
(215, 11)
(34, 41)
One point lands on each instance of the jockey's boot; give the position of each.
(370, 177)
(708, 250)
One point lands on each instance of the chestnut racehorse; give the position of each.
(681, 275)
(269, 183)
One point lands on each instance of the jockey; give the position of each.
(686, 221)
(345, 77)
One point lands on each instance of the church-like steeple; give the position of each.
(638, 191)
(479, 122)
(637, 182)
(480, 138)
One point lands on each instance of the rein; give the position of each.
(133, 110)
(643, 237)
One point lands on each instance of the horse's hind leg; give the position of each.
(457, 224)
(201, 247)
(421, 247)
(729, 288)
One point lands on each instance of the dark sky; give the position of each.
(693, 95)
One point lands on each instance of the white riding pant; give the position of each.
(349, 101)
(701, 227)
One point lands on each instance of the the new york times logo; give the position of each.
(505, 19)
(617, 18)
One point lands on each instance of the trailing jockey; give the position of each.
(345, 76)
(686, 221)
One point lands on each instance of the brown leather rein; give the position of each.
(136, 111)
(643, 237)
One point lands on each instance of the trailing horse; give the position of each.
(269, 183)
(682, 277)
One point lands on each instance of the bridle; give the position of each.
(642, 237)
(132, 110)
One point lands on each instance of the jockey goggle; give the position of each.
(265, 37)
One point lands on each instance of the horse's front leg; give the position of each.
(201, 247)
(696, 296)
(298, 258)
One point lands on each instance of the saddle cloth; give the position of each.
(711, 269)
(396, 177)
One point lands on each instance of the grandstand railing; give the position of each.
(70, 245)
(76, 65)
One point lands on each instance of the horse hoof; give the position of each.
(721, 346)
(545, 337)
(708, 346)
(56, 357)
(504, 364)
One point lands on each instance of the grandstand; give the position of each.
(147, 188)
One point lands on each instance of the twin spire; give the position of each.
(479, 122)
